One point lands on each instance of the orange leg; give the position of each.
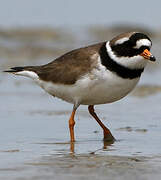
(107, 134)
(71, 126)
(72, 144)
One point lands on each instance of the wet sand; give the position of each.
(34, 135)
(87, 167)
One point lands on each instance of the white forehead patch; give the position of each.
(122, 40)
(142, 42)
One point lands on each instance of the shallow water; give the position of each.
(34, 135)
(34, 140)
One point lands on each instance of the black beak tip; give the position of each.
(152, 58)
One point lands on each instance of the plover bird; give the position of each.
(97, 74)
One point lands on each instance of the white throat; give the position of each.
(129, 62)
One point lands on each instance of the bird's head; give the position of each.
(130, 49)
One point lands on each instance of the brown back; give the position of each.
(69, 67)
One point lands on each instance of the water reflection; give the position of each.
(104, 146)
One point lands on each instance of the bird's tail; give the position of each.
(15, 69)
(28, 71)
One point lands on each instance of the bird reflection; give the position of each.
(106, 144)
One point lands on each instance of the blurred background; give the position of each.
(34, 135)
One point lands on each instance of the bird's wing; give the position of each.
(68, 68)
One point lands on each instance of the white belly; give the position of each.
(98, 87)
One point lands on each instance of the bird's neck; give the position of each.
(120, 70)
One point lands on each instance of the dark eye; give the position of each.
(142, 48)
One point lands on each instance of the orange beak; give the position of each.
(147, 55)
